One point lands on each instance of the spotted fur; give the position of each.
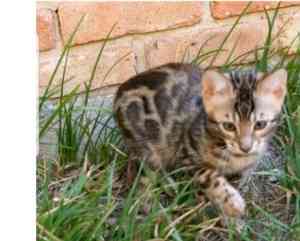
(178, 111)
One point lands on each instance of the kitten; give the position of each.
(221, 122)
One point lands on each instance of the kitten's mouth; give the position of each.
(243, 154)
(240, 155)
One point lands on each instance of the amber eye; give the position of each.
(228, 126)
(259, 125)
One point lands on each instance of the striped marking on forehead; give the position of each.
(244, 84)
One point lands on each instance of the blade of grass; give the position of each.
(57, 111)
(43, 98)
(113, 66)
(262, 65)
(61, 98)
(43, 230)
(196, 59)
(229, 33)
(88, 85)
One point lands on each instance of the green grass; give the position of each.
(83, 195)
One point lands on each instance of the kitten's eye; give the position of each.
(228, 126)
(259, 125)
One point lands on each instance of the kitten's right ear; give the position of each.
(216, 88)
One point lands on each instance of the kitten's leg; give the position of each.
(220, 192)
(153, 160)
(245, 179)
(131, 170)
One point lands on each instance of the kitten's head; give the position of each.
(243, 108)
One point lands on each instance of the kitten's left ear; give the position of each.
(273, 87)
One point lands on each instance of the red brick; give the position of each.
(45, 29)
(289, 37)
(131, 18)
(53, 5)
(184, 47)
(225, 9)
(81, 62)
(246, 37)
(160, 51)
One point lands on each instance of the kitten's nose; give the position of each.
(246, 144)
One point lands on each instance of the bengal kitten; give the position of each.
(221, 122)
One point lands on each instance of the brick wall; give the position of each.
(148, 34)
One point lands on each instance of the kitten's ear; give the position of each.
(273, 87)
(216, 89)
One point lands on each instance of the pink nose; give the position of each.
(246, 144)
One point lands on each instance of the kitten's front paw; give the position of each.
(234, 205)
